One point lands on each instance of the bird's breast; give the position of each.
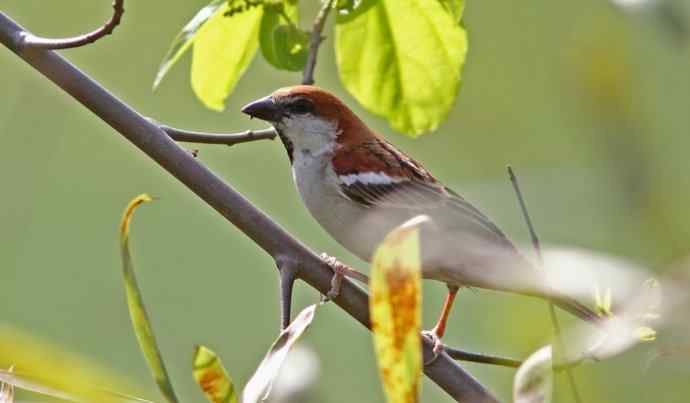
(345, 220)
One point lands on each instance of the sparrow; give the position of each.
(359, 187)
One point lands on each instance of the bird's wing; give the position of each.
(393, 180)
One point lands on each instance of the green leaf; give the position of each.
(259, 386)
(533, 381)
(455, 7)
(140, 321)
(283, 43)
(395, 308)
(401, 59)
(185, 38)
(210, 374)
(223, 49)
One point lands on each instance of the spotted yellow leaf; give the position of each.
(395, 310)
(211, 376)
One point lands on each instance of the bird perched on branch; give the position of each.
(359, 187)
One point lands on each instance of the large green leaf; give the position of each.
(185, 38)
(223, 49)
(140, 320)
(402, 59)
(283, 43)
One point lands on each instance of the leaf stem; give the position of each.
(559, 345)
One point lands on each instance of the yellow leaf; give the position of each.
(395, 309)
(223, 48)
(50, 370)
(137, 311)
(211, 376)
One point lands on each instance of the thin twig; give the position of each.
(315, 41)
(32, 41)
(228, 139)
(552, 310)
(233, 206)
(481, 358)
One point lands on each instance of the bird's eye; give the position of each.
(301, 106)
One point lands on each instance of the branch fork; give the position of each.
(152, 139)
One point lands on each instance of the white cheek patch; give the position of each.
(310, 135)
(370, 178)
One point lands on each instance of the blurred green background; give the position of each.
(589, 104)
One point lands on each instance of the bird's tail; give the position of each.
(576, 308)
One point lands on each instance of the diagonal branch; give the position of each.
(31, 41)
(315, 41)
(254, 223)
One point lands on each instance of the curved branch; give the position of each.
(31, 41)
(228, 139)
(315, 41)
(254, 223)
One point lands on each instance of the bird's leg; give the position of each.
(437, 332)
(340, 271)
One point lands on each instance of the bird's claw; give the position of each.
(438, 344)
(339, 271)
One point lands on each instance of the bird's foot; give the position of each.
(433, 337)
(340, 271)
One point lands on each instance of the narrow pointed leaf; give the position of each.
(395, 310)
(212, 377)
(402, 59)
(52, 371)
(185, 38)
(533, 381)
(259, 386)
(140, 321)
(283, 43)
(223, 48)
(44, 387)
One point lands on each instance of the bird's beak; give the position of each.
(264, 109)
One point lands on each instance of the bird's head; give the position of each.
(308, 119)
